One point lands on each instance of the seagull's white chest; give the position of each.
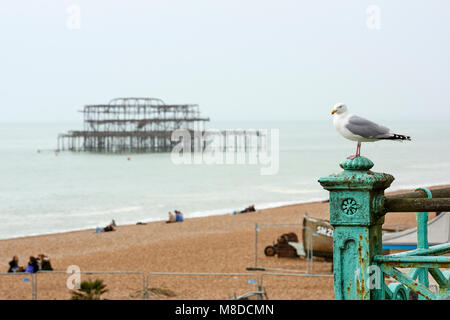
(339, 122)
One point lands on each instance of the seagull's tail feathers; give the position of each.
(398, 137)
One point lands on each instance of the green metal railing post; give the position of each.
(422, 241)
(357, 214)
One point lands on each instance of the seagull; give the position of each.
(355, 128)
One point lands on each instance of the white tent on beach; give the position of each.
(438, 232)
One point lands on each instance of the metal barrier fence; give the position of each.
(179, 285)
(297, 227)
(18, 286)
(54, 283)
(161, 285)
(306, 264)
(286, 286)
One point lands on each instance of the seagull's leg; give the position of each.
(358, 152)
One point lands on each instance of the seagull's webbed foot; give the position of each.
(353, 157)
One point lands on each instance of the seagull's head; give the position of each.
(339, 108)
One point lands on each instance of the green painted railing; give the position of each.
(357, 210)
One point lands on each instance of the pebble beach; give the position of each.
(214, 244)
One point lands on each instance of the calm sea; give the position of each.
(44, 193)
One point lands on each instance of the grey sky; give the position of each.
(239, 60)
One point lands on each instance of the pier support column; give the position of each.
(357, 215)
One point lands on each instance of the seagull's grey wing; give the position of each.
(366, 128)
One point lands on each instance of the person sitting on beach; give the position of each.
(249, 209)
(178, 216)
(108, 228)
(44, 263)
(171, 218)
(14, 264)
(33, 265)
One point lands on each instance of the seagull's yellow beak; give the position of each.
(334, 111)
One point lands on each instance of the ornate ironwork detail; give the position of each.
(349, 206)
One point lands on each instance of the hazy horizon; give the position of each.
(239, 61)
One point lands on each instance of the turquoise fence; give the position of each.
(357, 212)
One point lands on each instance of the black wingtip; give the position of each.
(399, 137)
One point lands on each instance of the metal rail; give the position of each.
(436, 193)
(436, 200)
(417, 204)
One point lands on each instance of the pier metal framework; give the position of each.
(132, 125)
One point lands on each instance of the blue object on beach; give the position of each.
(251, 281)
(26, 280)
(29, 269)
(98, 230)
(178, 217)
